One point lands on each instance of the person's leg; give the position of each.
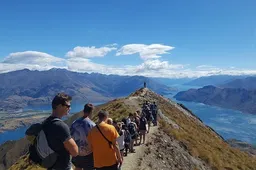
(131, 146)
(144, 136)
(149, 122)
(140, 136)
(126, 149)
(136, 140)
(156, 119)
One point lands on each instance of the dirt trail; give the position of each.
(132, 160)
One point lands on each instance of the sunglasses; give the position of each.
(68, 106)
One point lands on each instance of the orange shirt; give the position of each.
(103, 155)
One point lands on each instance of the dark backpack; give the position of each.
(132, 129)
(127, 136)
(143, 122)
(39, 151)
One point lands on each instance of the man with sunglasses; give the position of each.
(58, 134)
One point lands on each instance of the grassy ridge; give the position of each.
(200, 140)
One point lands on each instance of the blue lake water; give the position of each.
(19, 133)
(228, 123)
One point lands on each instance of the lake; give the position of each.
(19, 133)
(228, 123)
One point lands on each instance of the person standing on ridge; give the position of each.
(103, 141)
(58, 133)
(79, 131)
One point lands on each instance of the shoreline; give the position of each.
(14, 123)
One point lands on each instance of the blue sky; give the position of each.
(152, 38)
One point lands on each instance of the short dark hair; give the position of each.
(60, 98)
(102, 114)
(88, 108)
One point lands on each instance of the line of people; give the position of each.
(89, 145)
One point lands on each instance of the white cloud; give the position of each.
(145, 51)
(90, 52)
(206, 67)
(34, 60)
(157, 65)
(32, 57)
(83, 65)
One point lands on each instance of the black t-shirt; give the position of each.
(58, 132)
(143, 122)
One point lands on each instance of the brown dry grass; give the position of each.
(204, 143)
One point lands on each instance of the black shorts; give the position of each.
(113, 167)
(135, 136)
(85, 162)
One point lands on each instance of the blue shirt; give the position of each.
(79, 132)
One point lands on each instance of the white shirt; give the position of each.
(120, 141)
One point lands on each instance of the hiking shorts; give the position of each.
(85, 162)
(135, 136)
(143, 132)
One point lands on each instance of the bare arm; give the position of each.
(117, 151)
(71, 147)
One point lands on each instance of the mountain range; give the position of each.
(25, 87)
(232, 98)
(215, 80)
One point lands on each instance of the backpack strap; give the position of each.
(109, 142)
(47, 122)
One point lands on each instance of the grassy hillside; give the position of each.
(117, 108)
(201, 141)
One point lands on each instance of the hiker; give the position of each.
(127, 139)
(124, 121)
(132, 127)
(143, 128)
(79, 131)
(58, 133)
(136, 119)
(153, 108)
(145, 105)
(109, 121)
(120, 139)
(146, 110)
(129, 119)
(102, 137)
